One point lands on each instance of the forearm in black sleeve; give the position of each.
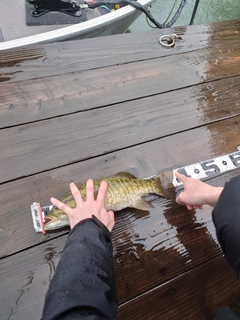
(83, 286)
(226, 217)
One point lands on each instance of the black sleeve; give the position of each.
(83, 286)
(226, 217)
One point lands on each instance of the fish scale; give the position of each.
(124, 190)
(165, 184)
(121, 192)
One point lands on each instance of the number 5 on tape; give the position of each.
(209, 168)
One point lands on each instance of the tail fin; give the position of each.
(167, 189)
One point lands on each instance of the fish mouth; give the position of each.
(48, 219)
(49, 222)
(53, 223)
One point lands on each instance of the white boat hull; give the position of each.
(115, 22)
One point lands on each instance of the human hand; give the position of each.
(197, 193)
(85, 209)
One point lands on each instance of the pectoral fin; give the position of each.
(142, 204)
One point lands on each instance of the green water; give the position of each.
(208, 11)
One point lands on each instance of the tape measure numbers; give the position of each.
(199, 170)
(209, 168)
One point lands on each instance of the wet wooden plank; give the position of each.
(25, 279)
(173, 241)
(59, 58)
(163, 248)
(36, 147)
(144, 160)
(34, 100)
(158, 246)
(194, 295)
(149, 253)
(168, 247)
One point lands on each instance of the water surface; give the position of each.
(208, 11)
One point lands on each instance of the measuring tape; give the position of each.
(209, 168)
(199, 170)
(38, 215)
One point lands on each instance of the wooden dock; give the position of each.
(87, 109)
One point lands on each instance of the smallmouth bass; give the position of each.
(124, 190)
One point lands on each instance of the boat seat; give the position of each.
(41, 7)
(57, 12)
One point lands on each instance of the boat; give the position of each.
(41, 21)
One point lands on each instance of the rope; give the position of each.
(154, 27)
(170, 12)
(176, 15)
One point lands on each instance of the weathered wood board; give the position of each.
(80, 109)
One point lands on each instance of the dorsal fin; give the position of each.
(124, 175)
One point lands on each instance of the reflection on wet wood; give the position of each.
(32, 100)
(59, 58)
(167, 242)
(193, 295)
(25, 279)
(199, 144)
(151, 250)
(70, 112)
(56, 142)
